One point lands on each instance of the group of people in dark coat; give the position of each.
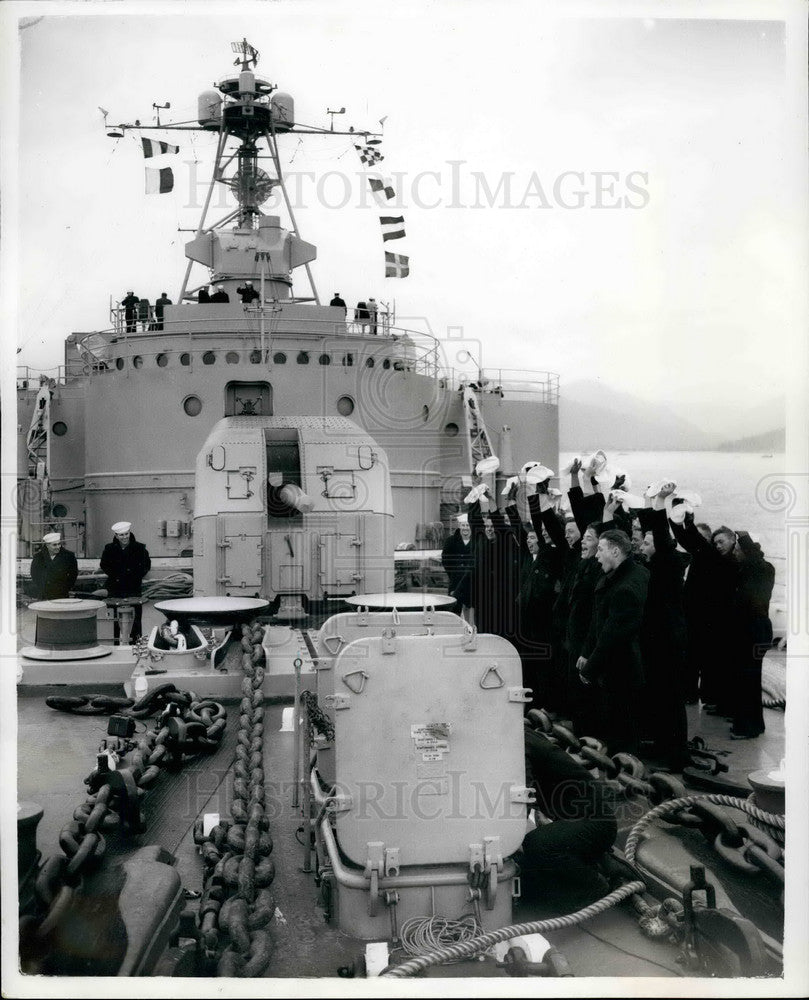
(621, 616)
(137, 310)
(125, 560)
(728, 622)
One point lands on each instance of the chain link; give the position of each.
(186, 727)
(237, 903)
(751, 847)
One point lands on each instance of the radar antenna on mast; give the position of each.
(342, 111)
(247, 54)
(161, 107)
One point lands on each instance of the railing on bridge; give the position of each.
(405, 349)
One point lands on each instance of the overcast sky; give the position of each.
(604, 197)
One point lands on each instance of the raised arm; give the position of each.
(543, 514)
(655, 520)
(476, 520)
(689, 537)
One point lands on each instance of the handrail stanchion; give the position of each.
(296, 729)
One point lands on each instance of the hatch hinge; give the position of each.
(492, 865)
(374, 866)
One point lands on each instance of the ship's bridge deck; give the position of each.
(304, 333)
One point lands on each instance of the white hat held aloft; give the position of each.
(476, 493)
(486, 466)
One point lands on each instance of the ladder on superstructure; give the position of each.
(35, 496)
(478, 445)
(38, 443)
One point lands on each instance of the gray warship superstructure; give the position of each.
(132, 406)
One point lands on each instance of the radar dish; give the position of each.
(252, 188)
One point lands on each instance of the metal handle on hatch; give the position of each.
(356, 688)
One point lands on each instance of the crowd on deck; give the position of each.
(623, 609)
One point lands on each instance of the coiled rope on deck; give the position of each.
(173, 585)
(469, 949)
(422, 933)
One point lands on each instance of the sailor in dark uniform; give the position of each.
(337, 301)
(53, 569)
(751, 635)
(248, 293)
(220, 295)
(145, 314)
(130, 304)
(611, 654)
(663, 637)
(159, 306)
(126, 562)
(458, 560)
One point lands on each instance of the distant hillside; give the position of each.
(767, 443)
(723, 419)
(593, 415)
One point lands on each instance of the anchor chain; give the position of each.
(752, 847)
(237, 903)
(187, 726)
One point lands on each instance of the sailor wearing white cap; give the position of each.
(248, 293)
(53, 569)
(126, 562)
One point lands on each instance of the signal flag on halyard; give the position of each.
(396, 265)
(392, 227)
(378, 186)
(369, 155)
(159, 181)
(151, 147)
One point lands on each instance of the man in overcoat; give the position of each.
(611, 654)
(126, 561)
(53, 569)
